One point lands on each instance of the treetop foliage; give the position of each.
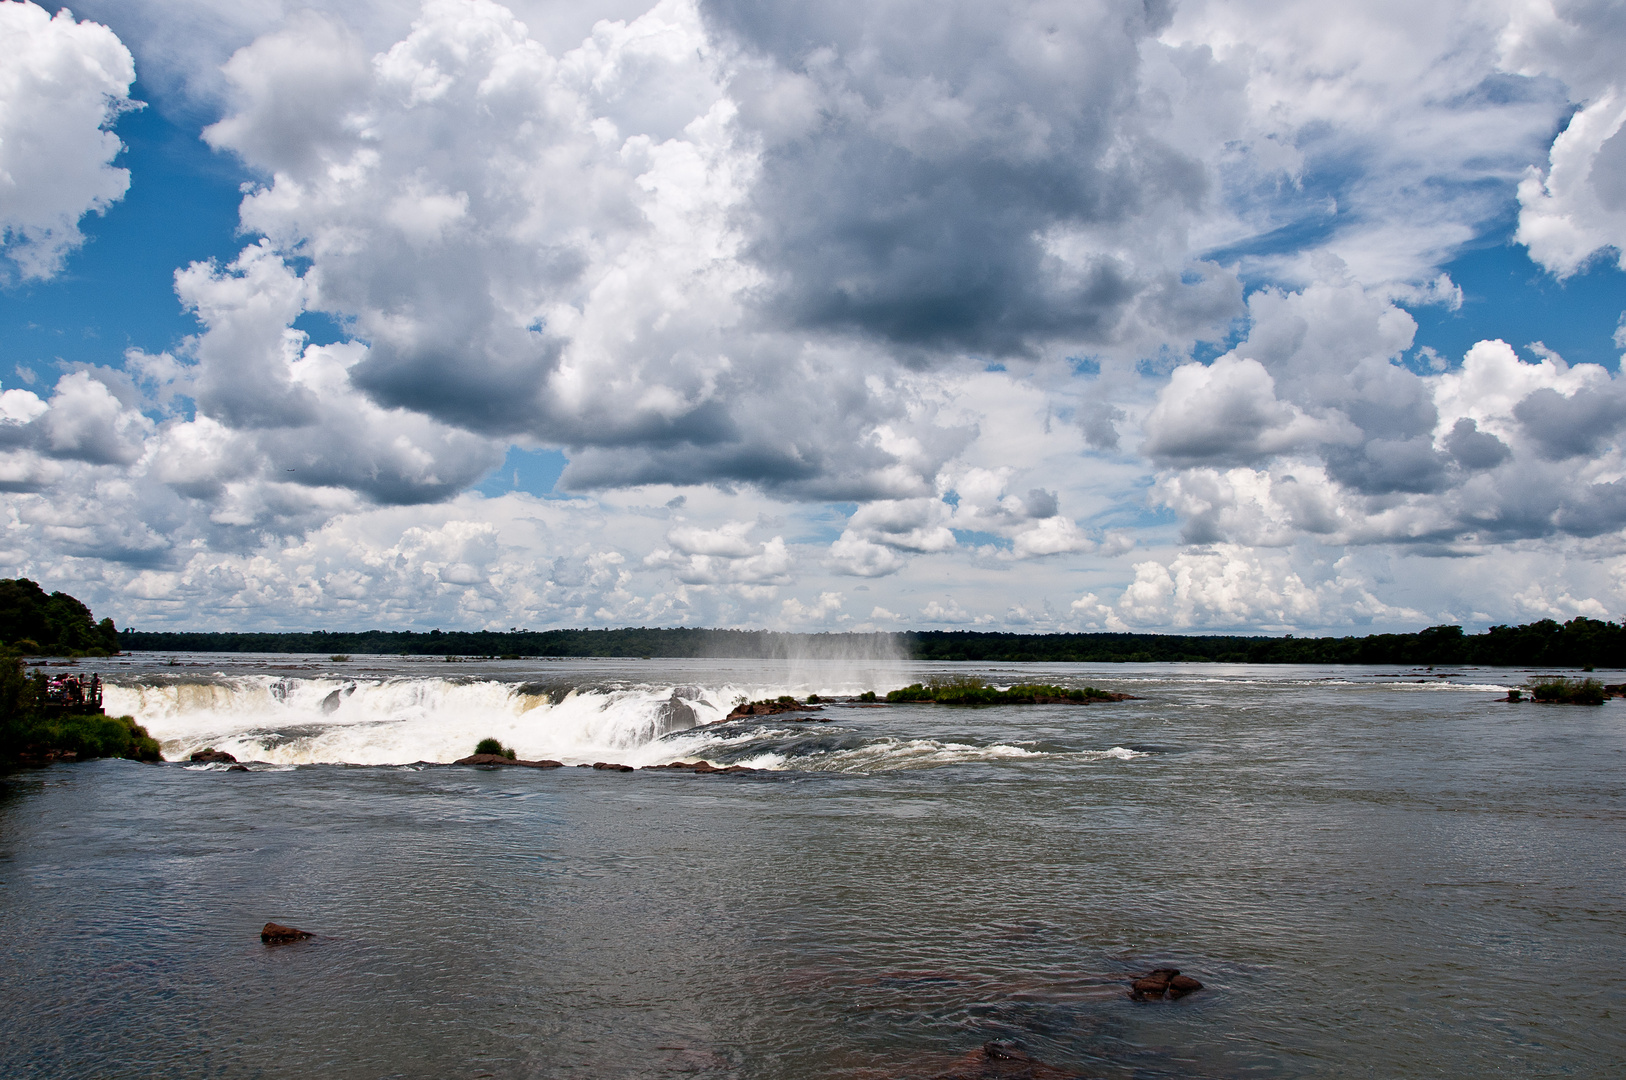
(33, 623)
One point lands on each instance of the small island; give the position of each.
(979, 692)
(1557, 690)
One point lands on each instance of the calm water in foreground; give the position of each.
(1376, 873)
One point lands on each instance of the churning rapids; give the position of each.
(1375, 872)
(386, 711)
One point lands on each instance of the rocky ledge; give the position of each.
(489, 761)
(701, 767)
(210, 754)
(1159, 983)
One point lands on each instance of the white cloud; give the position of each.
(1228, 412)
(723, 556)
(820, 611)
(951, 612)
(61, 87)
(1578, 207)
(1230, 585)
(1573, 204)
(86, 422)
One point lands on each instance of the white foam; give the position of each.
(400, 721)
(890, 754)
(1441, 684)
(288, 722)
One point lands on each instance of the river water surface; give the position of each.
(1374, 872)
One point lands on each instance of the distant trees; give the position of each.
(1578, 643)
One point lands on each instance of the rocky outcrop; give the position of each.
(1002, 1061)
(769, 708)
(237, 768)
(675, 714)
(277, 934)
(701, 767)
(1159, 983)
(331, 703)
(612, 766)
(490, 761)
(210, 754)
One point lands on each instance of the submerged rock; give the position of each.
(210, 754)
(701, 767)
(277, 934)
(1163, 981)
(1002, 1059)
(238, 768)
(493, 760)
(612, 766)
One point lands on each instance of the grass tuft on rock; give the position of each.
(493, 746)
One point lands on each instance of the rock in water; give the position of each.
(1002, 1060)
(768, 708)
(1181, 985)
(612, 766)
(211, 754)
(492, 760)
(237, 768)
(1153, 985)
(277, 934)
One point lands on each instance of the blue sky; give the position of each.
(464, 313)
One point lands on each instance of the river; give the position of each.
(1374, 873)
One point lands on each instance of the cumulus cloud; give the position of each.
(723, 556)
(819, 611)
(63, 85)
(1488, 465)
(1575, 207)
(1228, 412)
(1228, 585)
(963, 175)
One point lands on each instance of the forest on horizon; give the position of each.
(1580, 642)
(33, 623)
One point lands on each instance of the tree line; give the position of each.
(34, 623)
(1580, 642)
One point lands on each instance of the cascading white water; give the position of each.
(404, 720)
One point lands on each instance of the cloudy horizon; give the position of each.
(1033, 316)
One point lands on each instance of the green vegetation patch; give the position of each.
(37, 724)
(1561, 691)
(978, 692)
(86, 735)
(494, 746)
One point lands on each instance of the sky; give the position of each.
(1096, 315)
